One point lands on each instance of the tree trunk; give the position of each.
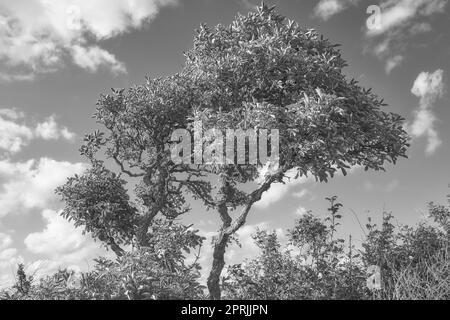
(228, 229)
(115, 247)
(145, 224)
(217, 266)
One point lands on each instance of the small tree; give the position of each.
(23, 281)
(260, 72)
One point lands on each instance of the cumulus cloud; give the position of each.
(31, 184)
(325, 9)
(301, 194)
(401, 14)
(279, 190)
(429, 87)
(41, 36)
(301, 211)
(61, 245)
(399, 20)
(15, 133)
(5, 241)
(393, 62)
(50, 130)
(13, 136)
(94, 57)
(58, 237)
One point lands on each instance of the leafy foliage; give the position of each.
(159, 271)
(260, 72)
(414, 261)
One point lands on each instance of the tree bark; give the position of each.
(229, 227)
(115, 247)
(145, 224)
(217, 267)
(220, 243)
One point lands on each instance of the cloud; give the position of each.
(247, 4)
(8, 77)
(399, 20)
(31, 184)
(58, 237)
(389, 187)
(13, 136)
(301, 211)
(279, 190)
(59, 245)
(5, 241)
(50, 130)
(15, 133)
(41, 36)
(94, 57)
(393, 63)
(429, 87)
(300, 194)
(401, 14)
(325, 9)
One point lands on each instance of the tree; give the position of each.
(261, 72)
(314, 264)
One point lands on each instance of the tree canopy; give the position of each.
(260, 72)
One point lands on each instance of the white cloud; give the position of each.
(13, 136)
(12, 113)
(429, 87)
(399, 14)
(94, 57)
(301, 211)
(300, 194)
(11, 77)
(5, 241)
(279, 190)
(325, 9)
(15, 133)
(58, 246)
(50, 130)
(40, 36)
(59, 236)
(393, 63)
(31, 184)
(399, 21)
(61, 245)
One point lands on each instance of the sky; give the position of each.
(58, 56)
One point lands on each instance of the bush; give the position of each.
(392, 263)
(158, 271)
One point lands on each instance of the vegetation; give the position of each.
(261, 71)
(393, 262)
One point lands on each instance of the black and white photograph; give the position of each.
(245, 151)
